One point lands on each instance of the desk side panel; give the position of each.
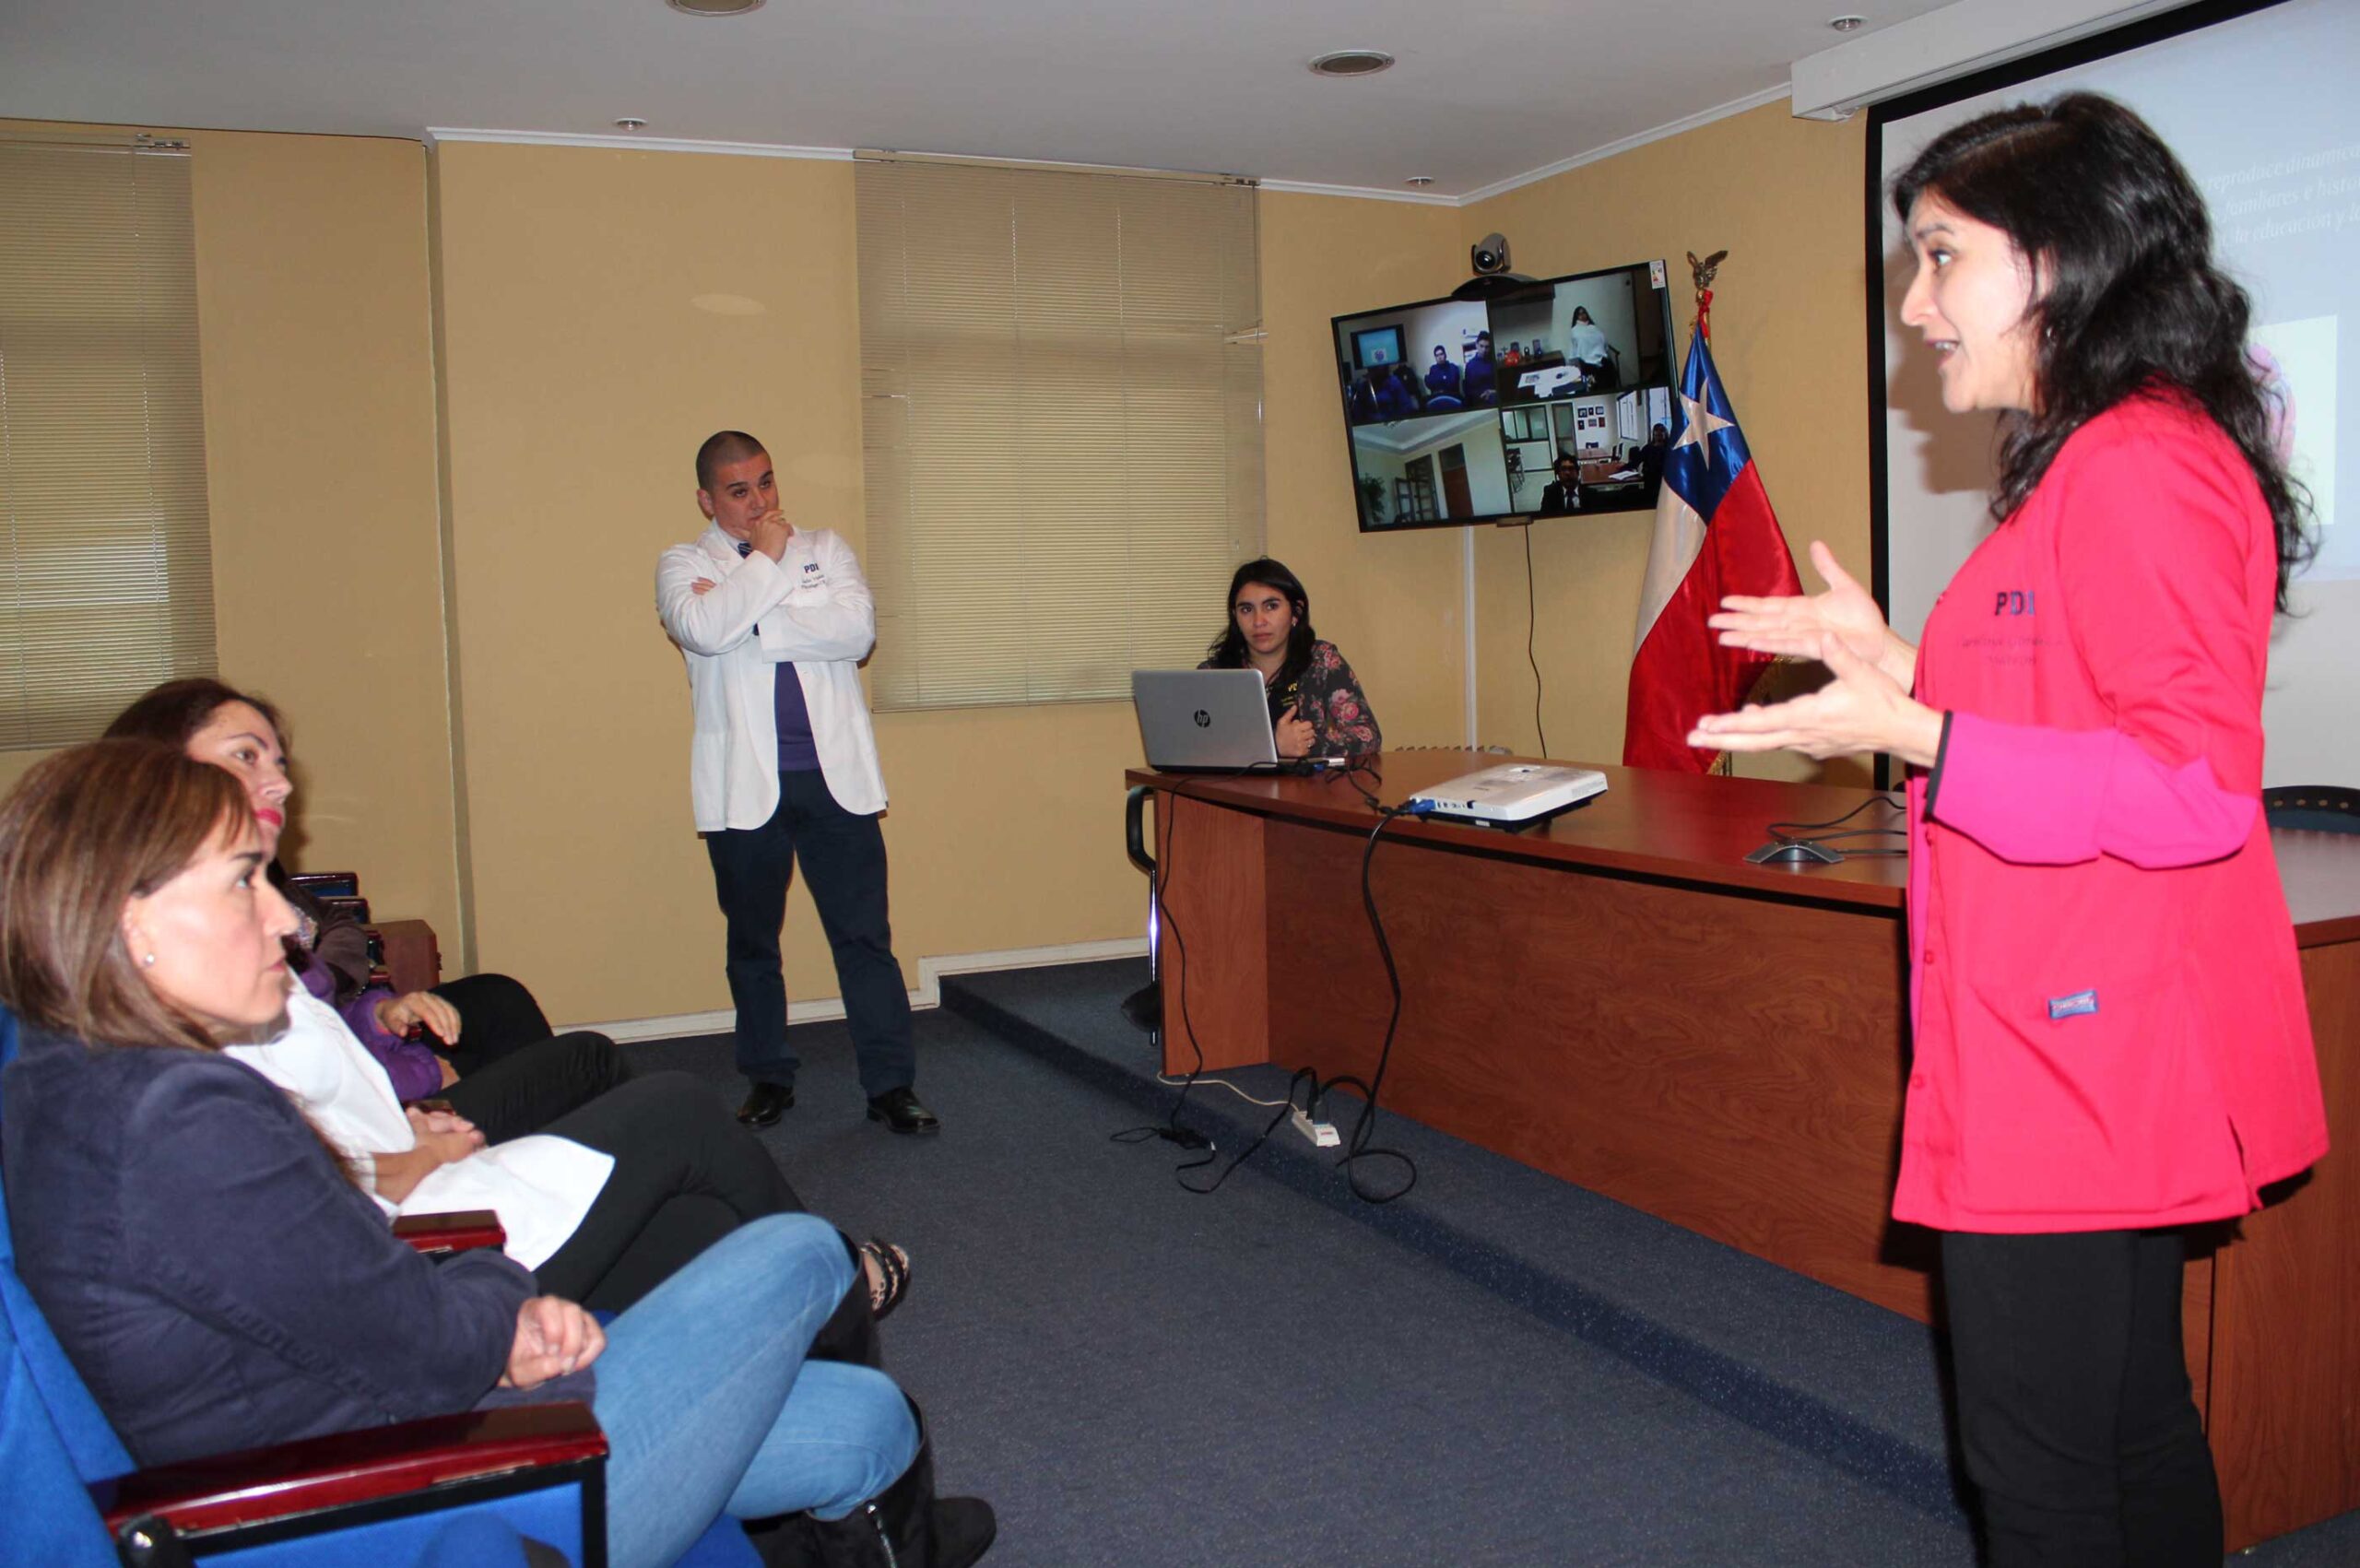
(1731, 1064)
(2285, 1408)
(1216, 969)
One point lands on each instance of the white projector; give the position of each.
(1513, 792)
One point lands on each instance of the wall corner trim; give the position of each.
(617, 143)
(928, 994)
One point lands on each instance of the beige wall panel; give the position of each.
(603, 311)
(1784, 197)
(319, 410)
(1391, 603)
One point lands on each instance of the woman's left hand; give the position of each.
(1860, 709)
(399, 1015)
(1293, 735)
(554, 1336)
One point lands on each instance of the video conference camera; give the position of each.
(1489, 257)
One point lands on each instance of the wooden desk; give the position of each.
(1618, 999)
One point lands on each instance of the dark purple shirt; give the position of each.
(797, 751)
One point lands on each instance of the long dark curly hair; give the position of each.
(1229, 651)
(2129, 297)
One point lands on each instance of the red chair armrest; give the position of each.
(259, 1484)
(461, 1230)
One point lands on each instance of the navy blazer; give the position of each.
(211, 1273)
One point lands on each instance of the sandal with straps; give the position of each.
(891, 1282)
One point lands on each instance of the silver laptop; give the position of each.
(1203, 719)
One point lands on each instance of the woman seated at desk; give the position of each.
(1317, 708)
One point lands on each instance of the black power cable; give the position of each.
(1532, 630)
(1171, 1129)
(1360, 1149)
(1833, 829)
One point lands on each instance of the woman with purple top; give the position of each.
(481, 1043)
(679, 1171)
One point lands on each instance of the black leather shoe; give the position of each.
(766, 1103)
(900, 1111)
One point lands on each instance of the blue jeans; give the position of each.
(708, 1406)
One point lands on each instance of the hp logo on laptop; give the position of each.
(1203, 719)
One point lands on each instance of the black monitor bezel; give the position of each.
(1643, 500)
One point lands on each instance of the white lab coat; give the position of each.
(811, 606)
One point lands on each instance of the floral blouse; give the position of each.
(1328, 696)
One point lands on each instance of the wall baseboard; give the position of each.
(928, 994)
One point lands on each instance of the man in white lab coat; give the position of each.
(774, 621)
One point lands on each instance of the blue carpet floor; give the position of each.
(1497, 1370)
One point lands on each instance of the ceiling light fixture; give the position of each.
(1351, 62)
(714, 7)
(631, 123)
(1848, 24)
(1421, 180)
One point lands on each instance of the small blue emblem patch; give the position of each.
(2074, 1006)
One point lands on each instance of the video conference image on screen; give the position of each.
(1554, 400)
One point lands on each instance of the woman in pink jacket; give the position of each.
(2110, 1034)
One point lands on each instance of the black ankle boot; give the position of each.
(906, 1525)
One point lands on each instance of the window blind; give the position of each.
(107, 584)
(1061, 425)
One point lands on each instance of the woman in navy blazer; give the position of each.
(221, 1282)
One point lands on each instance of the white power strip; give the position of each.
(1321, 1134)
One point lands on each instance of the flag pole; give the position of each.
(1723, 763)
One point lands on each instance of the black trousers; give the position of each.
(843, 856)
(686, 1174)
(2075, 1417)
(515, 1077)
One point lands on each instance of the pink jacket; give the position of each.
(2110, 1022)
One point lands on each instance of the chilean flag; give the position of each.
(1715, 535)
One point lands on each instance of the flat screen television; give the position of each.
(1461, 411)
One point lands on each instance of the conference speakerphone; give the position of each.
(1510, 794)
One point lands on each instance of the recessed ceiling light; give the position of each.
(631, 123)
(1351, 62)
(1841, 24)
(714, 7)
(1421, 180)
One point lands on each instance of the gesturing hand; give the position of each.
(1795, 625)
(399, 1015)
(1860, 709)
(553, 1338)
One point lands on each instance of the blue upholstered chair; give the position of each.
(456, 1492)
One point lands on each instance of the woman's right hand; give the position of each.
(554, 1336)
(447, 1136)
(1293, 735)
(1794, 625)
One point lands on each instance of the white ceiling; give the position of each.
(1486, 90)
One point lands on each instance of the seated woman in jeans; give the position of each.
(220, 1282)
(679, 1171)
